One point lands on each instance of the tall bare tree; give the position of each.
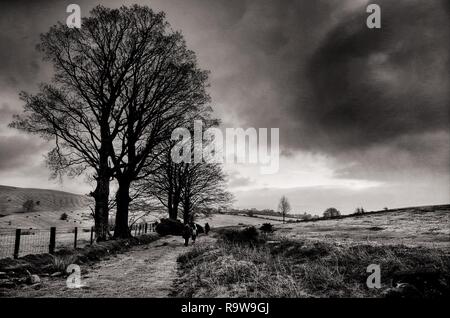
(164, 84)
(123, 82)
(81, 109)
(284, 207)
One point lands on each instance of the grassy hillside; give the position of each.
(414, 226)
(48, 206)
(324, 258)
(13, 198)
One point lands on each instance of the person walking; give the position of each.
(194, 232)
(187, 233)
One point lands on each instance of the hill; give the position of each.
(13, 198)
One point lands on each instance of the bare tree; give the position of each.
(123, 82)
(165, 184)
(203, 187)
(81, 109)
(163, 85)
(188, 186)
(284, 207)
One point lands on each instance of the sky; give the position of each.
(363, 114)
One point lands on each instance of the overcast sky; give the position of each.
(363, 114)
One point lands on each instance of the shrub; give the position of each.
(200, 229)
(60, 262)
(169, 227)
(63, 216)
(249, 235)
(267, 228)
(28, 205)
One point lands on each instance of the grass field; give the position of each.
(274, 266)
(411, 227)
(325, 258)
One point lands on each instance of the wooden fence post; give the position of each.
(51, 246)
(92, 235)
(17, 244)
(75, 238)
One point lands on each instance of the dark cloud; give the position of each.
(407, 158)
(377, 101)
(17, 151)
(371, 87)
(22, 22)
(335, 87)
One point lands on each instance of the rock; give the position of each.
(56, 274)
(33, 279)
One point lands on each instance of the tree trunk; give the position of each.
(101, 196)
(121, 229)
(186, 211)
(101, 211)
(176, 203)
(172, 214)
(173, 201)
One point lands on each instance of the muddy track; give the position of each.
(143, 271)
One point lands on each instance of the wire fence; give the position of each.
(15, 243)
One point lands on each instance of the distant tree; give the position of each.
(284, 207)
(360, 210)
(331, 213)
(28, 205)
(63, 216)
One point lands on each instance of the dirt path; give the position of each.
(143, 271)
